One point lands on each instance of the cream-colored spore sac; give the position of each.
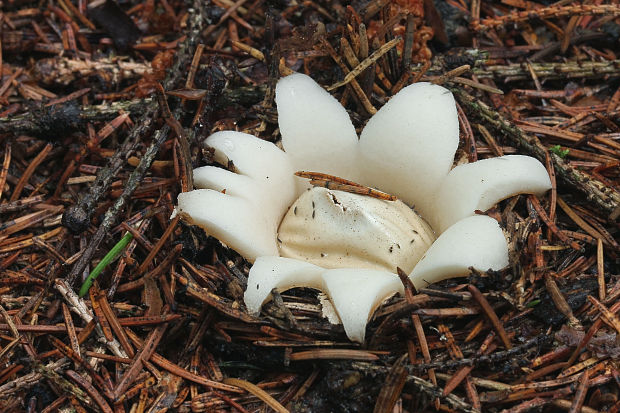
(336, 229)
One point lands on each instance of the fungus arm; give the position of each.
(354, 293)
(476, 241)
(407, 147)
(241, 208)
(317, 132)
(480, 185)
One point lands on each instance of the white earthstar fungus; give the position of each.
(349, 245)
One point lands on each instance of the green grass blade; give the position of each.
(109, 257)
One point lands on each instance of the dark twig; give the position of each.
(77, 217)
(484, 359)
(32, 124)
(424, 386)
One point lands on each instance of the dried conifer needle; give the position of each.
(109, 257)
(341, 184)
(319, 176)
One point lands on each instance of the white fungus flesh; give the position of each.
(282, 274)
(476, 242)
(242, 208)
(225, 181)
(336, 229)
(262, 161)
(407, 147)
(230, 219)
(356, 294)
(482, 184)
(312, 120)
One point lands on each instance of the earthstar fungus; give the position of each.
(349, 245)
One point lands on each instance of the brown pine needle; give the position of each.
(258, 392)
(341, 184)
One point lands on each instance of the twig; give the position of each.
(79, 307)
(111, 215)
(423, 385)
(32, 123)
(569, 70)
(77, 217)
(544, 13)
(484, 359)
